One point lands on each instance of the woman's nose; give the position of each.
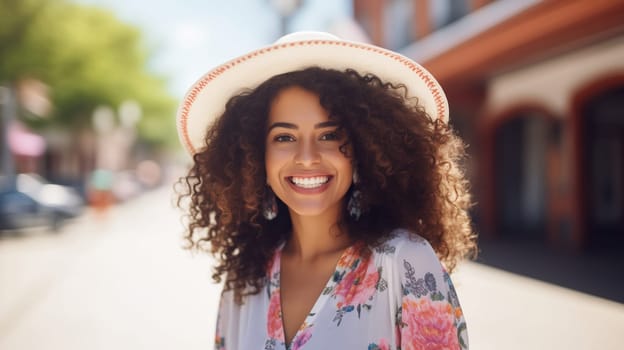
(307, 153)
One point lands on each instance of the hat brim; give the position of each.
(206, 99)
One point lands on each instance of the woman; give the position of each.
(328, 187)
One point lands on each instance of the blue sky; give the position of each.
(189, 37)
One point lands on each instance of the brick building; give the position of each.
(536, 88)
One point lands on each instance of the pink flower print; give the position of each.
(428, 324)
(301, 339)
(274, 317)
(358, 285)
(358, 250)
(383, 345)
(347, 257)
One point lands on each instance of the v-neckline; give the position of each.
(321, 300)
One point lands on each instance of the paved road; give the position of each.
(125, 283)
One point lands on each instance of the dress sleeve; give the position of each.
(219, 332)
(429, 316)
(227, 322)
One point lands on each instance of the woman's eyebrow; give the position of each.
(321, 125)
(283, 125)
(326, 124)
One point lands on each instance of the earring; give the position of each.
(354, 206)
(269, 204)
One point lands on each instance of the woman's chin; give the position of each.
(313, 211)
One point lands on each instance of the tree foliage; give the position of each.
(88, 58)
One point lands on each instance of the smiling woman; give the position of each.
(331, 196)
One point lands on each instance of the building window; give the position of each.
(445, 12)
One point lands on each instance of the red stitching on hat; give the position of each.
(192, 95)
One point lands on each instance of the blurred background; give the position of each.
(90, 243)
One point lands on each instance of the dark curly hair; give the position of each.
(408, 167)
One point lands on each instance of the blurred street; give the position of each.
(124, 282)
(120, 282)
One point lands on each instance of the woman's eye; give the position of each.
(283, 138)
(330, 136)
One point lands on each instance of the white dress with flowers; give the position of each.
(394, 296)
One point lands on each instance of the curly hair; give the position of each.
(408, 167)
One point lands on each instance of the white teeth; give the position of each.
(309, 182)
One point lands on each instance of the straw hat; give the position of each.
(206, 99)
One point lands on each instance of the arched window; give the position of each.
(602, 156)
(522, 182)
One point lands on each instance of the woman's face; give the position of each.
(304, 164)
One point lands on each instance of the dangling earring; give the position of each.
(269, 204)
(354, 206)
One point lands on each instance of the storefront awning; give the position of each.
(23, 142)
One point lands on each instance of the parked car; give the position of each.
(32, 201)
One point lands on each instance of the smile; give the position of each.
(309, 182)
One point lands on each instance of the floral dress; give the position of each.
(394, 296)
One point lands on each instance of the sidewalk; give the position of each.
(512, 312)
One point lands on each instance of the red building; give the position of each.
(536, 88)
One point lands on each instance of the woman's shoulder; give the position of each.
(399, 239)
(402, 244)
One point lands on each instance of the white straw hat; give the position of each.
(206, 99)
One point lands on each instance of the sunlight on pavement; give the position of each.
(509, 311)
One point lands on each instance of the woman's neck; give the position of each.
(316, 236)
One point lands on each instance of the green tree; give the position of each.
(88, 58)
